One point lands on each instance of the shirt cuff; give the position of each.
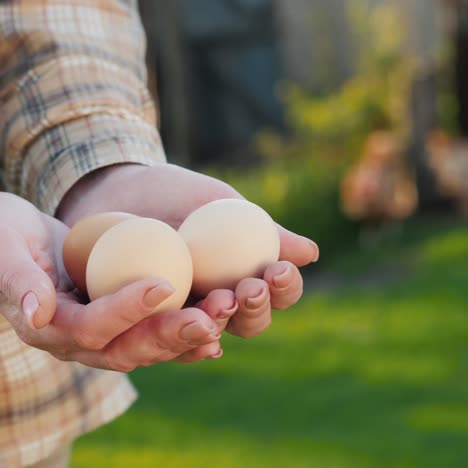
(67, 152)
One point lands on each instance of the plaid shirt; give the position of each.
(73, 98)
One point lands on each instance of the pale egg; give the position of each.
(229, 240)
(81, 239)
(136, 249)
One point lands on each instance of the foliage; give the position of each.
(447, 101)
(299, 183)
(375, 98)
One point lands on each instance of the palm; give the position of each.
(103, 333)
(170, 193)
(166, 192)
(183, 191)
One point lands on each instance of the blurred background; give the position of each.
(347, 120)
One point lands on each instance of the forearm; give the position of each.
(73, 92)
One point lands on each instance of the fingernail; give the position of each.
(315, 247)
(256, 301)
(195, 332)
(217, 355)
(156, 295)
(282, 279)
(226, 313)
(30, 306)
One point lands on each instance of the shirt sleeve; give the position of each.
(73, 95)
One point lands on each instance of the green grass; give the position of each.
(354, 378)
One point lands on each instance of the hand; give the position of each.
(170, 193)
(114, 332)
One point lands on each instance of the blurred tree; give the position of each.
(217, 68)
(424, 43)
(461, 64)
(316, 45)
(424, 119)
(234, 68)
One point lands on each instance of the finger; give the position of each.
(297, 249)
(220, 305)
(23, 283)
(163, 337)
(94, 359)
(93, 326)
(209, 351)
(160, 338)
(285, 283)
(254, 313)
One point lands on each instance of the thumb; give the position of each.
(23, 283)
(297, 249)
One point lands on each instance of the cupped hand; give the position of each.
(170, 193)
(114, 332)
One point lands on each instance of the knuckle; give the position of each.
(243, 333)
(61, 356)
(155, 355)
(161, 338)
(255, 313)
(283, 292)
(253, 331)
(282, 303)
(147, 363)
(133, 315)
(26, 334)
(27, 338)
(117, 363)
(163, 347)
(155, 360)
(156, 351)
(249, 333)
(166, 341)
(205, 351)
(88, 341)
(160, 344)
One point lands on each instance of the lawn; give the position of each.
(352, 377)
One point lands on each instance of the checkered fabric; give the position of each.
(46, 403)
(73, 98)
(73, 94)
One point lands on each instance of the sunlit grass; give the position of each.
(436, 417)
(349, 378)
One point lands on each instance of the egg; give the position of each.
(229, 240)
(136, 249)
(81, 239)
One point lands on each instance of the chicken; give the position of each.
(379, 187)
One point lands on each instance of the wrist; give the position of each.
(95, 192)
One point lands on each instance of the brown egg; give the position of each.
(81, 239)
(229, 240)
(136, 249)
